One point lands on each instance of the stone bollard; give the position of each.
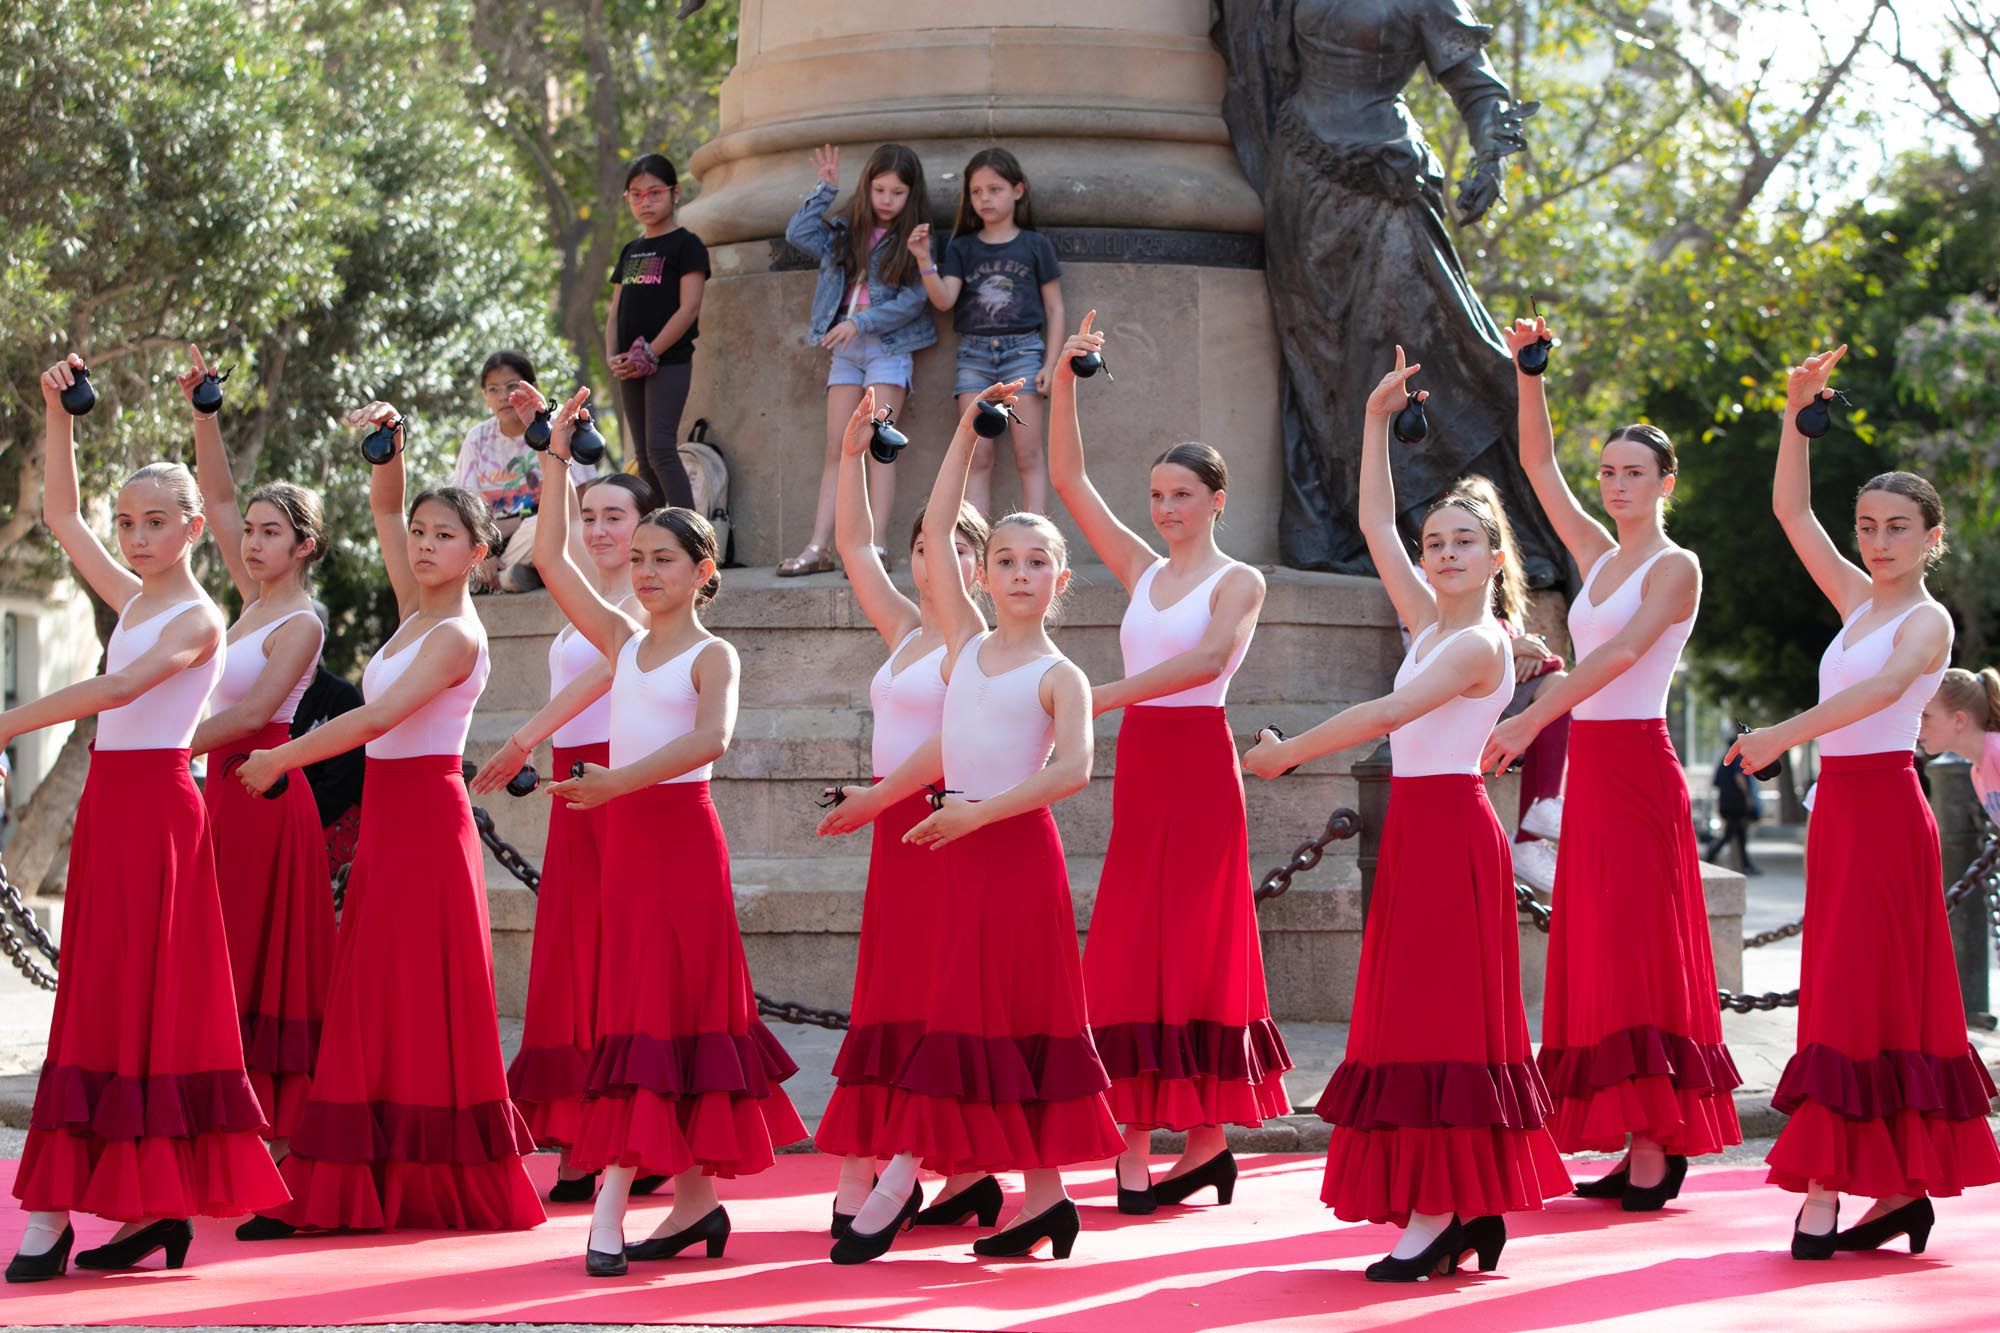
(1371, 775)
(1961, 829)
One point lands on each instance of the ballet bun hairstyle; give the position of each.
(469, 509)
(1920, 492)
(1482, 501)
(644, 499)
(1204, 460)
(696, 538)
(1051, 536)
(971, 525)
(1973, 693)
(1654, 439)
(178, 483)
(301, 509)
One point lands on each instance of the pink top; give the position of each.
(1449, 738)
(1893, 728)
(996, 732)
(246, 662)
(908, 704)
(1640, 691)
(440, 726)
(653, 709)
(1986, 777)
(1149, 636)
(164, 717)
(570, 655)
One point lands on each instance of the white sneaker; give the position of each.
(1535, 865)
(1544, 818)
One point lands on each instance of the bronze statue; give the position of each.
(1359, 259)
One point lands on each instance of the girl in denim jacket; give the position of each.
(873, 324)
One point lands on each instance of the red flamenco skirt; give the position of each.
(1004, 1075)
(1631, 1036)
(1885, 1094)
(1438, 1107)
(560, 1030)
(408, 1123)
(892, 985)
(1173, 968)
(277, 906)
(684, 1073)
(143, 1110)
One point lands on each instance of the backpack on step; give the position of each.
(708, 474)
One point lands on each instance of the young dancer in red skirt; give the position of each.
(683, 1081)
(899, 913)
(270, 855)
(408, 1123)
(1632, 1046)
(143, 1113)
(559, 1031)
(1002, 1074)
(1173, 967)
(1438, 1111)
(1886, 1096)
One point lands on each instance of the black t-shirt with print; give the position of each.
(1003, 283)
(650, 270)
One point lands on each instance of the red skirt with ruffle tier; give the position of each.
(1173, 967)
(409, 1123)
(684, 1072)
(1885, 1094)
(559, 1030)
(1438, 1107)
(1631, 1036)
(277, 907)
(1004, 1075)
(143, 1109)
(892, 983)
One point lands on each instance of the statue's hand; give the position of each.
(1480, 192)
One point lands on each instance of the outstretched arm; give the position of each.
(1844, 583)
(189, 639)
(1583, 536)
(1066, 694)
(1125, 552)
(1415, 603)
(862, 805)
(1238, 599)
(62, 498)
(892, 614)
(715, 676)
(288, 654)
(572, 699)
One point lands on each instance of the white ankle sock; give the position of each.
(857, 1177)
(44, 1230)
(1821, 1212)
(1417, 1236)
(607, 1217)
(891, 1192)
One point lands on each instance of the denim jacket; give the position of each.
(899, 316)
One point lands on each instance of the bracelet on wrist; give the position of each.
(926, 272)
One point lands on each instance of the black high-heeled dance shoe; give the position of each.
(645, 1185)
(577, 1189)
(46, 1266)
(713, 1229)
(1814, 1247)
(260, 1227)
(172, 1234)
(981, 1199)
(858, 1247)
(596, 1263)
(1610, 1186)
(1439, 1258)
(842, 1223)
(1219, 1171)
(1057, 1225)
(1485, 1237)
(1914, 1219)
(1135, 1203)
(1651, 1199)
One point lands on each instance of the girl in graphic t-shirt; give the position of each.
(1002, 285)
(1963, 718)
(649, 332)
(868, 309)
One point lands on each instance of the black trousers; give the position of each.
(652, 408)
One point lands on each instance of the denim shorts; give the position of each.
(986, 361)
(861, 360)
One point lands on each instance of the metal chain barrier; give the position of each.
(1342, 823)
(21, 937)
(1526, 901)
(1784, 932)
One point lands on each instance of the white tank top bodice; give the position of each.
(650, 709)
(441, 725)
(164, 717)
(1149, 636)
(1640, 691)
(996, 732)
(908, 704)
(570, 655)
(1450, 737)
(246, 662)
(1894, 728)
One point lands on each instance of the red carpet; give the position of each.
(1275, 1259)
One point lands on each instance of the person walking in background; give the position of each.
(1736, 806)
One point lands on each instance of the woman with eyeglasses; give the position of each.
(649, 332)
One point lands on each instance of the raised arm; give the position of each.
(1238, 599)
(218, 486)
(1416, 605)
(808, 229)
(603, 624)
(892, 614)
(715, 677)
(1843, 583)
(387, 486)
(1066, 694)
(950, 600)
(1583, 536)
(62, 498)
(189, 639)
(289, 651)
(1123, 551)
(573, 698)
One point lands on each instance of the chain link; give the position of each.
(1784, 932)
(1342, 823)
(21, 936)
(1769, 1000)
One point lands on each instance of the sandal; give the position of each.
(812, 560)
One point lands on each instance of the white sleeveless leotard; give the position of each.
(650, 709)
(570, 655)
(246, 663)
(996, 732)
(1894, 728)
(1450, 737)
(441, 725)
(908, 704)
(164, 717)
(1640, 691)
(1149, 636)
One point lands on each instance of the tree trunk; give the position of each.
(41, 844)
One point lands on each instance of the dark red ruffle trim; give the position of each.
(1953, 1087)
(965, 1067)
(373, 1132)
(274, 1045)
(1435, 1094)
(744, 1066)
(548, 1074)
(877, 1053)
(109, 1106)
(1200, 1049)
(1638, 1052)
